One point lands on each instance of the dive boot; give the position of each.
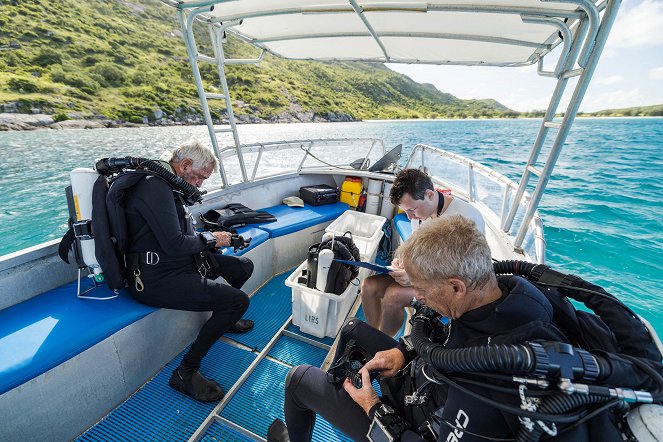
(196, 386)
(278, 432)
(241, 326)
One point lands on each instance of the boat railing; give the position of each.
(486, 188)
(274, 158)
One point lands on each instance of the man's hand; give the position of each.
(399, 274)
(222, 238)
(365, 396)
(386, 362)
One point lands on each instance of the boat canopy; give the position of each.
(454, 32)
(460, 32)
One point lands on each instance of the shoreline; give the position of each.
(13, 122)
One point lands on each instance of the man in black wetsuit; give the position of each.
(168, 270)
(450, 268)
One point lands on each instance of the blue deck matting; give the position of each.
(218, 432)
(294, 352)
(260, 401)
(270, 307)
(296, 330)
(156, 412)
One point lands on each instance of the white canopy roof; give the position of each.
(500, 32)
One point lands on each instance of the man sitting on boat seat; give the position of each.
(172, 266)
(450, 267)
(384, 296)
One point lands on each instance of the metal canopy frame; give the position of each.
(581, 33)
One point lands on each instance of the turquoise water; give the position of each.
(602, 211)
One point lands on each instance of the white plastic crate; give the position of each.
(318, 313)
(366, 231)
(362, 225)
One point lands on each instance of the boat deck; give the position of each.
(157, 412)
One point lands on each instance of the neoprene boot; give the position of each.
(196, 386)
(278, 432)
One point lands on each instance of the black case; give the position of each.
(319, 194)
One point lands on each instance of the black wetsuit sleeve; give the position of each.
(156, 204)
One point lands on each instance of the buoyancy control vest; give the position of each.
(339, 275)
(101, 230)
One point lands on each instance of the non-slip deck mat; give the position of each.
(260, 401)
(218, 432)
(156, 412)
(294, 352)
(270, 307)
(296, 330)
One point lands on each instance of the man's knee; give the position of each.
(396, 297)
(370, 287)
(247, 267)
(350, 326)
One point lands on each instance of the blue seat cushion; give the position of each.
(258, 236)
(403, 226)
(291, 219)
(47, 330)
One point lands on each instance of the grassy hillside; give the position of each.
(124, 60)
(642, 111)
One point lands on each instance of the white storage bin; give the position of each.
(317, 313)
(366, 231)
(362, 225)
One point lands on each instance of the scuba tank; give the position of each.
(80, 213)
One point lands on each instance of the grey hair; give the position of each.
(201, 155)
(449, 247)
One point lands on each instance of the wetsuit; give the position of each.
(522, 311)
(162, 245)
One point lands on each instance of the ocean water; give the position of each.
(602, 211)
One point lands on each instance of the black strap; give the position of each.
(65, 244)
(440, 202)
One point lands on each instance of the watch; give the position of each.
(387, 426)
(209, 239)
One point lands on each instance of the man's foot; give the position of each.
(196, 386)
(277, 432)
(241, 326)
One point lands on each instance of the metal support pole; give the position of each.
(192, 51)
(569, 116)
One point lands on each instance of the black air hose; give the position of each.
(558, 403)
(500, 358)
(108, 166)
(513, 267)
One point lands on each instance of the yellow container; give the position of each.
(351, 191)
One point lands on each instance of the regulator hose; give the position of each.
(109, 166)
(558, 403)
(493, 358)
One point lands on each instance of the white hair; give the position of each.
(201, 155)
(449, 247)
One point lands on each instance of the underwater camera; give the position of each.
(348, 365)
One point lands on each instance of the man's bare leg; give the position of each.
(373, 289)
(395, 299)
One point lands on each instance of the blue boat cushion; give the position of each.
(291, 219)
(47, 330)
(403, 226)
(258, 236)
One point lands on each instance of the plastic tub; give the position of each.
(318, 313)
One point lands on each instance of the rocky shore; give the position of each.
(34, 121)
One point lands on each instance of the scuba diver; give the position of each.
(454, 380)
(170, 265)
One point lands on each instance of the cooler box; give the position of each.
(319, 194)
(317, 313)
(366, 231)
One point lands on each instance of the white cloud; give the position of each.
(612, 100)
(656, 73)
(638, 26)
(611, 79)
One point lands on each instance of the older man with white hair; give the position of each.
(170, 267)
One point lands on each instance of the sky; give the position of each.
(629, 73)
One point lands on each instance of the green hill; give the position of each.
(124, 60)
(640, 111)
